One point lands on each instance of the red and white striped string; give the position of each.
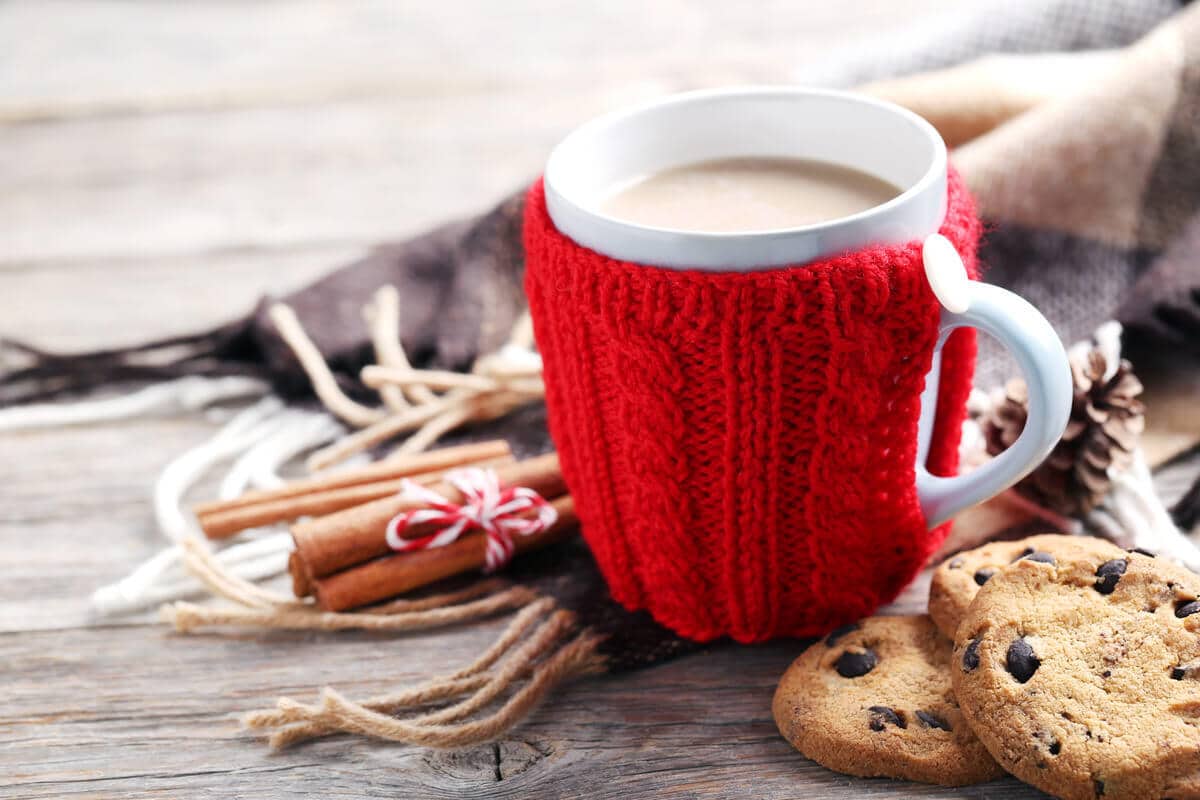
(500, 512)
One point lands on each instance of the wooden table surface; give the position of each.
(161, 165)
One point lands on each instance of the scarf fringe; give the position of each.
(258, 440)
(265, 435)
(182, 395)
(46, 375)
(540, 649)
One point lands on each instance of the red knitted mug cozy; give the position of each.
(741, 446)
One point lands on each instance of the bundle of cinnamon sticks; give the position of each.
(342, 557)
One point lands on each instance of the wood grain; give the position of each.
(66, 305)
(189, 127)
(700, 727)
(166, 57)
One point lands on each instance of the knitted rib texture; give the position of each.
(741, 446)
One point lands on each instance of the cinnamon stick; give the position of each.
(227, 523)
(399, 573)
(327, 544)
(326, 494)
(302, 585)
(429, 461)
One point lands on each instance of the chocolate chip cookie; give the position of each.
(956, 580)
(1082, 675)
(874, 699)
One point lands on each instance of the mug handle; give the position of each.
(1043, 361)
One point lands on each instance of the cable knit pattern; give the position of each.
(741, 446)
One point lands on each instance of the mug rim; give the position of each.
(742, 250)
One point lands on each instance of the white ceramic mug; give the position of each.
(879, 138)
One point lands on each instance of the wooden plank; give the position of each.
(120, 711)
(78, 513)
(103, 303)
(367, 122)
(118, 189)
(95, 58)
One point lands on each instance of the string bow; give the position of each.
(500, 512)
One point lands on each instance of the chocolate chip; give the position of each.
(982, 575)
(854, 665)
(1186, 609)
(1055, 747)
(1098, 785)
(1108, 574)
(955, 563)
(882, 716)
(1020, 661)
(933, 721)
(1028, 551)
(838, 633)
(1039, 556)
(1106, 674)
(1142, 551)
(970, 659)
(1178, 673)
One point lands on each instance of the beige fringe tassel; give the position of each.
(541, 648)
(547, 655)
(262, 608)
(542, 645)
(498, 383)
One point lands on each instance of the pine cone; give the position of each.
(1101, 435)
